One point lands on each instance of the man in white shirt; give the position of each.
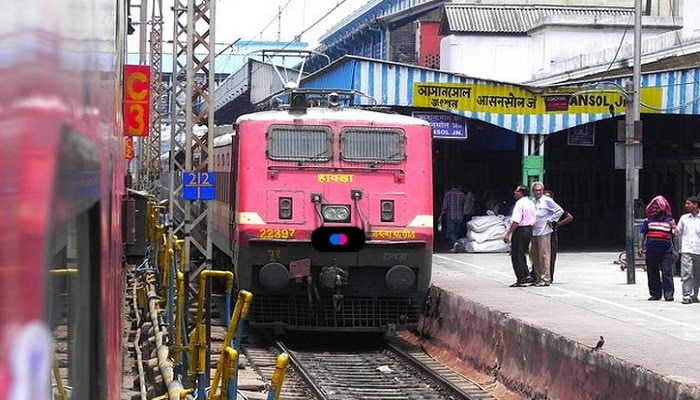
(520, 231)
(688, 244)
(548, 213)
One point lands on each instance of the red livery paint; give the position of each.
(61, 186)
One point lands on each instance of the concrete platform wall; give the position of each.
(538, 363)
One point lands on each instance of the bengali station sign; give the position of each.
(511, 99)
(446, 126)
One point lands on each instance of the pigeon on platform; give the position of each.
(600, 343)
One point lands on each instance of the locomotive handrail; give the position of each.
(62, 393)
(230, 360)
(199, 339)
(240, 312)
(278, 376)
(179, 310)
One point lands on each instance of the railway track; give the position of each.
(384, 369)
(334, 366)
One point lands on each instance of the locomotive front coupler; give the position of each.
(333, 278)
(336, 279)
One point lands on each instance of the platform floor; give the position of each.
(589, 297)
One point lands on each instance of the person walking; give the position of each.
(688, 245)
(519, 234)
(547, 214)
(566, 218)
(656, 235)
(451, 214)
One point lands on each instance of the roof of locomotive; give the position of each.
(323, 113)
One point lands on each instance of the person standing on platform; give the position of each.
(519, 234)
(688, 245)
(469, 210)
(547, 213)
(566, 218)
(451, 214)
(656, 235)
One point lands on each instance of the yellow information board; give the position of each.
(510, 99)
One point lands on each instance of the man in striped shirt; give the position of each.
(451, 213)
(656, 235)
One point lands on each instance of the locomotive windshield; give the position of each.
(299, 143)
(375, 145)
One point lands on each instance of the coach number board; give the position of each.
(198, 185)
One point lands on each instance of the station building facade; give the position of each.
(560, 127)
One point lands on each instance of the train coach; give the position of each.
(298, 185)
(61, 190)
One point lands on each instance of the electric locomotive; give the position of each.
(299, 178)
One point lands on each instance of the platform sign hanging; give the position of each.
(198, 185)
(129, 148)
(445, 126)
(581, 135)
(137, 95)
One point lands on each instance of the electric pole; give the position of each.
(192, 104)
(632, 120)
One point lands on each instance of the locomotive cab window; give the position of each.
(299, 143)
(374, 145)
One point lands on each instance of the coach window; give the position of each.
(299, 143)
(360, 144)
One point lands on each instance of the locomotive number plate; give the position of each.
(276, 233)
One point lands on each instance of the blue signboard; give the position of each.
(449, 126)
(198, 185)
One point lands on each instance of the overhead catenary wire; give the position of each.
(619, 46)
(620, 90)
(297, 38)
(277, 16)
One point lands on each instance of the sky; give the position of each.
(257, 20)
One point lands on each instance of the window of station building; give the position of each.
(361, 144)
(299, 143)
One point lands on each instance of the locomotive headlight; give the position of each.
(336, 213)
(285, 208)
(387, 210)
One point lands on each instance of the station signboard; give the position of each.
(137, 95)
(197, 185)
(445, 126)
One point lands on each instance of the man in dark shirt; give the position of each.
(451, 214)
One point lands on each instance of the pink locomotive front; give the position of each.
(330, 169)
